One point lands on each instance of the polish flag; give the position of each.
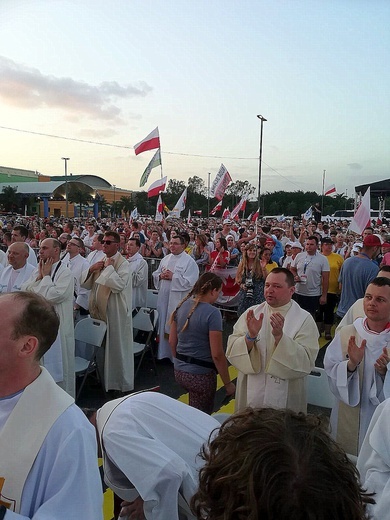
(255, 215)
(159, 209)
(216, 208)
(157, 186)
(361, 218)
(150, 142)
(331, 190)
(226, 213)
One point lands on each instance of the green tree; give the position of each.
(10, 198)
(174, 189)
(79, 196)
(127, 204)
(103, 205)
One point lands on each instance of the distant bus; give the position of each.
(347, 214)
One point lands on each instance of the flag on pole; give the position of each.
(216, 208)
(180, 205)
(159, 209)
(361, 219)
(308, 214)
(156, 161)
(189, 216)
(331, 190)
(134, 214)
(220, 183)
(157, 186)
(239, 207)
(166, 209)
(150, 142)
(255, 215)
(198, 212)
(226, 213)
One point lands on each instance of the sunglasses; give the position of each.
(109, 242)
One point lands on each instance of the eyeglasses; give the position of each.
(109, 242)
(73, 244)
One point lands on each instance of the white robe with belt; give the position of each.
(274, 376)
(118, 357)
(171, 292)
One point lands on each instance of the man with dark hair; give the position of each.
(97, 252)
(277, 464)
(274, 346)
(48, 463)
(20, 234)
(55, 282)
(311, 270)
(174, 278)
(356, 365)
(110, 300)
(78, 264)
(357, 272)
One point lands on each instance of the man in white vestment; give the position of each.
(20, 234)
(48, 465)
(110, 300)
(78, 264)
(274, 346)
(139, 272)
(19, 270)
(3, 260)
(97, 252)
(356, 365)
(55, 282)
(150, 444)
(374, 461)
(174, 278)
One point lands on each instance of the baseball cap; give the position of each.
(227, 221)
(297, 244)
(385, 244)
(371, 241)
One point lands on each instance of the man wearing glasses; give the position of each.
(110, 300)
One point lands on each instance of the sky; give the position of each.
(110, 72)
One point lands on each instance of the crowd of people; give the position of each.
(294, 281)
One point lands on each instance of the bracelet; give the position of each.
(249, 338)
(3, 510)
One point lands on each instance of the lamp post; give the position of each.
(66, 159)
(262, 119)
(208, 195)
(114, 201)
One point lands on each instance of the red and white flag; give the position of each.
(255, 215)
(220, 183)
(159, 209)
(198, 212)
(216, 208)
(226, 213)
(150, 142)
(361, 219)
(156, 187)
(240, 207)
(330, 191)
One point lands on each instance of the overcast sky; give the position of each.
(110, 72)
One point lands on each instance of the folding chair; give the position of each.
(144, 328)
(92, 332)
(151, 299)
(317, 388)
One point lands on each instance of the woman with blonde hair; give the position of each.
(196, 342)
(251, 275)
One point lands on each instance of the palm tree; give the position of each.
(126, 204)
(79, 196)
(10, 198)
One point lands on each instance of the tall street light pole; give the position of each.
(66, 159)
(262, 119)
(114, 201)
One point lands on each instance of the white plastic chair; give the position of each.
(317, 389)
(92, 332)
(151, 298)
(144, 327)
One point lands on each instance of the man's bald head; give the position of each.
(18, 253)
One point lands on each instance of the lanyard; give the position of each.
(55, 271)
(307, 263)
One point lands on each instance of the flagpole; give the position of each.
(323, 190)
(208, 195)
(161, 171)
(262, 119)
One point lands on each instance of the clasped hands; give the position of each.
(99, 266)
(44, 268)
(254, 325)
(166, 275)
(356, 355)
